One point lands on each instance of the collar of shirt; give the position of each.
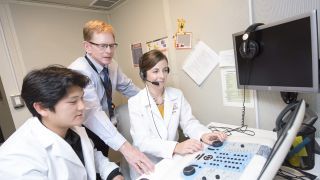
(97, 65)
(73, 139)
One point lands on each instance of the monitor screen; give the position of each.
(287, 59)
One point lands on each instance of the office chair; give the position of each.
(123, 126)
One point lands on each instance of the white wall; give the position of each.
(49, 34)
(35, 36)
(210, 21)
(133, 23)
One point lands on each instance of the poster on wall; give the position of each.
(136, 50)
(183, 41)
(232, 96)
(160, 44)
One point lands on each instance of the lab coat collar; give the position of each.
(48, 138)
(170, 106)
(149, 102)
(168, 96)
(85, 143)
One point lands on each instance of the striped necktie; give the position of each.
(108, 89)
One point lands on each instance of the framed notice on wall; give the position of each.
(183, 40)
(160, 44)
(136, 50)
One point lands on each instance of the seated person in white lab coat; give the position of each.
(52, 144)
(157, 111)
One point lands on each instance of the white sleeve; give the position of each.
(103, 165)
(22, 166)
(98, 121)
(189, 124)
(125, 85)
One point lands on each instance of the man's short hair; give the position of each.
(96, 26)
(49, 85)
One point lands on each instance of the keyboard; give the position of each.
(228, 161)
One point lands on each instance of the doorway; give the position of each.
(6, 121)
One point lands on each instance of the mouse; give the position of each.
(217, 143)
(189, 170)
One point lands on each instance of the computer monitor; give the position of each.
(287, 59)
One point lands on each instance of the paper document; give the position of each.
(200, 62)
(232, 96)
(226, 58)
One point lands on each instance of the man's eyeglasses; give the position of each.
(105, 46)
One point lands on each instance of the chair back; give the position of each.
(123, 126)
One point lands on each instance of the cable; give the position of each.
(151, 111)
(243, 128)
(243, 111)
(228, 131)
(247, 80)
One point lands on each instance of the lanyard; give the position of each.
(95, 69)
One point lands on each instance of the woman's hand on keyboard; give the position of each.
(188, 147)
(209, 138)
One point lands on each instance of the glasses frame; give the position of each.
(112, 46)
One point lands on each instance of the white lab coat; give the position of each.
(145, 122)
(35, 152)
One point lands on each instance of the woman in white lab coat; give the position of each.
(52, 144)
(157, 111)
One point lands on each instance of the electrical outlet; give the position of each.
(17, 101)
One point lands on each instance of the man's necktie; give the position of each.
(108, 88)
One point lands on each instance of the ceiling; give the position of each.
(87, 4)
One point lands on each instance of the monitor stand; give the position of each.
(289, 97)
(310, 117)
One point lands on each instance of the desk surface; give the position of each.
(172, 168)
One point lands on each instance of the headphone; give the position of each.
(249, 48)
(143, 75)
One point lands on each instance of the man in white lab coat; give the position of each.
(52, 144)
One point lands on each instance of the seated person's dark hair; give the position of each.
(49, 85)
